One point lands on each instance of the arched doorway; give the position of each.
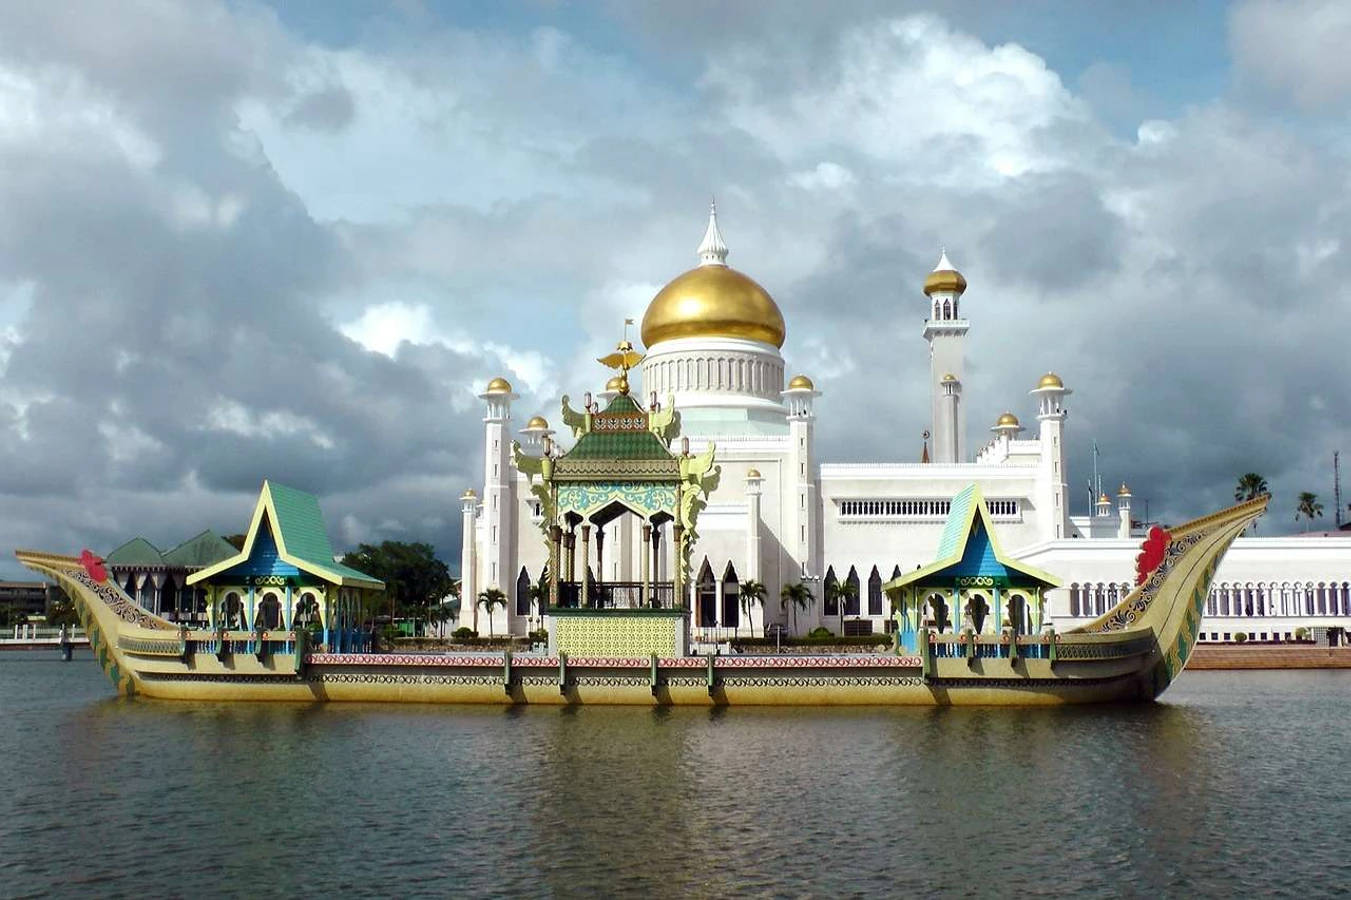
(731, 598)
(706, 590)
(232, 612)
(977, 610)
(268, 616)
(523, 593)
(1019, 617)
(938, 612)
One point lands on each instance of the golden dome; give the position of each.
(945, 280)
(944, 277)
(537, 422)
(713, 301)
(498, 385)
(753, 473)
(1006, 419)
(801, 383)
(1124, 491)
(1050, 380)
(469, 495)
(1102, 498)
(949, 377)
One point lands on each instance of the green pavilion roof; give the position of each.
(205, 549)
(611, 438)
(297, 526)
(136, 552)
(969, 547)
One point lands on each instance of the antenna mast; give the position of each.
(1337, 486)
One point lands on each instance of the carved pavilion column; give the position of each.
(600, 553)
(678, 565)
(586, 566)
(646, 553)
(555, 538)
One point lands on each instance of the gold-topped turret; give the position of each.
(944, 277)
(801, 383)
(1050, 380)
(498, 385)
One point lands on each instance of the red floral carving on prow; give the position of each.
(94, 566)
(1151, 553)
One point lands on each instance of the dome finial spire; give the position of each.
(712, 249)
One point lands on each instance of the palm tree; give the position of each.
(1308, 507)
(752, 595)
(794, 597)
(1250, 486)
(841, 592)
(488, 599)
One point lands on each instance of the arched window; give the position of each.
(707, 591)
(1019, 616)
(523, 593)
(831, 603)
(731, 597)
(307, 612)
(268, 616)
(875, 593)
(937, 613)
(977, 611)
(232, 611)
(947, 309)
(1074, 600)
(851, 601)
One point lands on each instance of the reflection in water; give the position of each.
(1232, 785)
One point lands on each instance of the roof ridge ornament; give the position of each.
(712, 249)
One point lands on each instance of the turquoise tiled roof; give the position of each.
(301, 526)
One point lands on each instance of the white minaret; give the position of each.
(754, 527)
(1123, 509)
(468, 558)
(800, 485)
(533, 435)
(1052, 487)
(945, 330)
(496, 531)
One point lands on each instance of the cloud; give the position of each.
(214, 268)
(1295, 50)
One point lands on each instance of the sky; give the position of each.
(242, 241)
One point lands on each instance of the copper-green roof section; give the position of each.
(620, 432)
(205, 549)
(137, 552)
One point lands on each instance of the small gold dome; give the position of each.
(753, 473)
(1102, 498)
(945, 280)
(1050, 380)
(801, 383)
(614, 383)
(1006, 419)
(498, 385)
(713, 301)
(537, 422)
(1124, 491)
(469, 495)
(949, 377)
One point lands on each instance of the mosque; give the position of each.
(777, 515)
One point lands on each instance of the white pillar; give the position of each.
(1123, 508)
(468, 559)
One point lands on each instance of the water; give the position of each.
(1236, 783)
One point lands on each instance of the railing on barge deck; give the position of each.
(617, 595)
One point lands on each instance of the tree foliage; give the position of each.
(415, 580)
(1308, 507)
(488, 599)
(752, 595)
(1250, 486)
(794, 597)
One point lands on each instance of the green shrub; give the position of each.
(820, 633)
(463, 634)
(541, 635)
(1301, 634)
(1240, 636)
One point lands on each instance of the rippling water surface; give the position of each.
(1235, 783)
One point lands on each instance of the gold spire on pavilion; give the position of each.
(623, 358)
